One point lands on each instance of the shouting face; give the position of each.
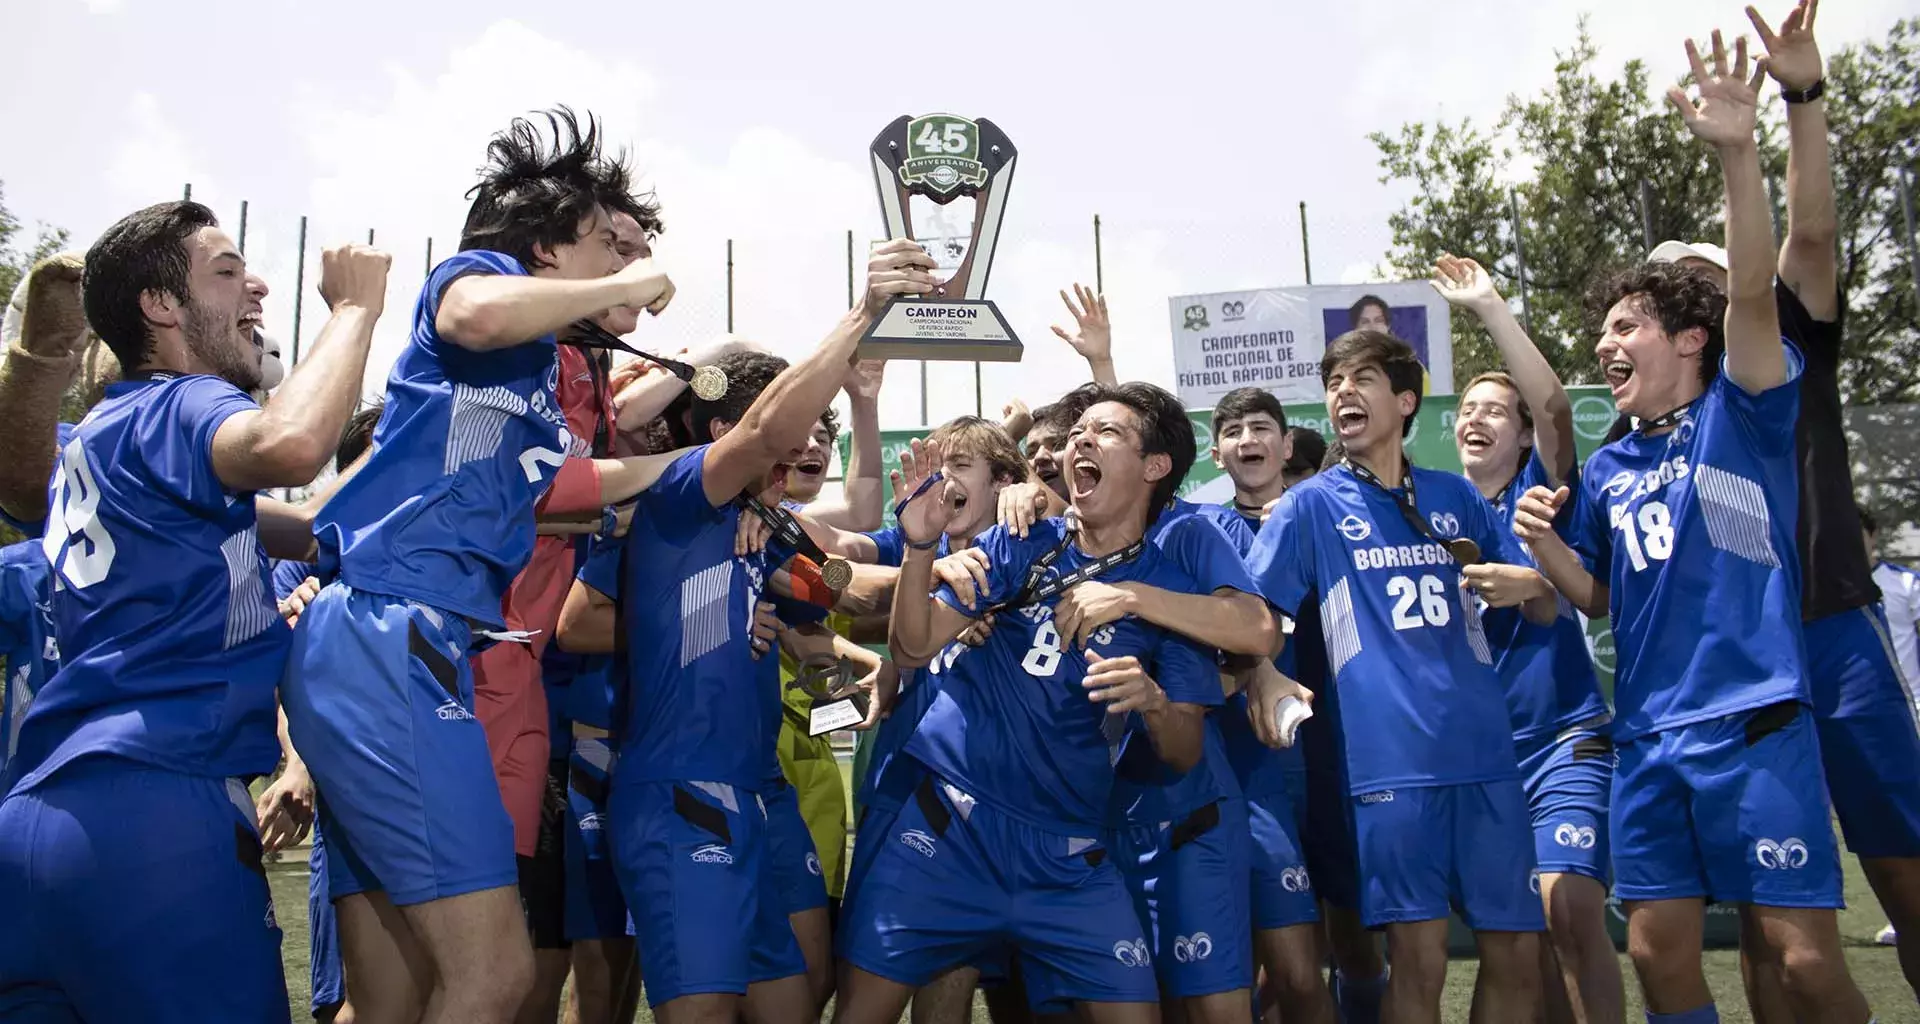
(1253, 450)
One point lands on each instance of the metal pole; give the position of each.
(1913, 249)
(188, 194)
(1773, 210)
(1306, 254)
(729, 286)
(369, 236)
(243, 227)
(923, 392)
(1520, 259)
(429, 254)
(1099, 275)
(849, 267)
(1646, 216)
(979, 396)
(299, 286)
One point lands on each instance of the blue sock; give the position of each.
(1704, 1015)
(1358, 999)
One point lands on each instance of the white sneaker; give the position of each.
(1886, 937)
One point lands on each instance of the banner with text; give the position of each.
(1273, 338)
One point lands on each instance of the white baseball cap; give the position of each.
(1674, 252)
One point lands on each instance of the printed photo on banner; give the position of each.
(1370, 311)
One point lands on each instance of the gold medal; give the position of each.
(1464, 551)
(709, 383)
(836, 574)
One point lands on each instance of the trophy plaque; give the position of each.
(838, 702)
(941, 158)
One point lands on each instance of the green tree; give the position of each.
(1597, 166)
(15, 261)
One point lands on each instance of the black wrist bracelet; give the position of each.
(1807, 95)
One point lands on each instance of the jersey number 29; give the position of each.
(73, 516)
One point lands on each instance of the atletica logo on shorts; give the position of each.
(590, 821)
(1385, 796)
(1134, 954)
(1294, 879)
(712, 853)
(1579, 837)
(1190, 950)
(918, 841)
(453, 711)
(1785, 855)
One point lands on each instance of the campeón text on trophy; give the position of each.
(943, 157)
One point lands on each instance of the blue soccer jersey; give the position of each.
(1547, 670)
(442, 511)
(171, 642)
(26, 637)
(1012, 726)
(598, 678)
(699, 707)
(1426, 707)
(1693, 532)
(1203, 541)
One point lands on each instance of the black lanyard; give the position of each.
(708, 382)
(154, 376)
(834, 572)
(1464, 551)
(1667, 419)
(1034, 591)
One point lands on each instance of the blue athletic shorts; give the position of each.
(957, 880)
(327, 986)
(1427, 850)
(1569, 785)
(595, 908)
(693, 865)
(1732, 809)
(379, 701)
(1283, 893)
(796, 866)
(135, 894)
(1868, 743)
(1189, 880)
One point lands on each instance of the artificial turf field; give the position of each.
(1875, 968)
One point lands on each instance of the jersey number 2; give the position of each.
(76, 539)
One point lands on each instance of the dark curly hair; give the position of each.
(748, 374)
(532, 193)
(1164, 429)
(1677, 297)
(145, 251)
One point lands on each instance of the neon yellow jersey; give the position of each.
(810, 767)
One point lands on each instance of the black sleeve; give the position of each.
(1818, 340)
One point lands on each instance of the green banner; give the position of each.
(1429, 444)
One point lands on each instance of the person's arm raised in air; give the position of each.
(1808, 263)
(1092, 335)
(1725, 117)
(862, 494)
(1466, 284)
(922, 623)
(490, 311)
(38, 366)
(779, 419)
(288, 441)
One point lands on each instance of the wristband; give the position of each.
(928, 546)
(1807, 95)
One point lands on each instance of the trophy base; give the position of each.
(941, 330)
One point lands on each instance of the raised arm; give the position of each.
(1466, 284)
(1092, 335)
(1808, 263)
(39, 365)
(1725, 117)
(922, 623)
(779, 419)
(859, 508)
(489, 311)
(287, 442)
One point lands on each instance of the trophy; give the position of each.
(942, 157)
(838, 702)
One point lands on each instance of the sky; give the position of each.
(1193, 131)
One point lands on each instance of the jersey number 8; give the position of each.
(1044, 656)
(77, 541)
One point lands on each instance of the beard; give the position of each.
(213, 340)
